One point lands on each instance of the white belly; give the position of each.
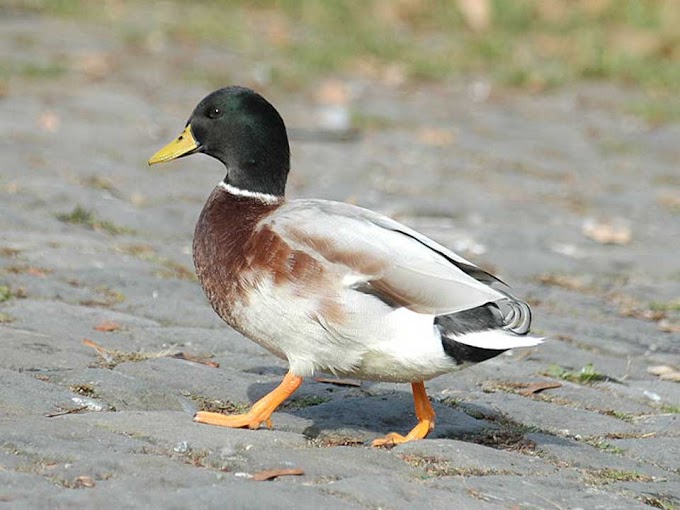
(373, 341)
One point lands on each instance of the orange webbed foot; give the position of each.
(234, 421)
(260, 412)
(425, 415)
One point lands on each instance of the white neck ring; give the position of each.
(263, 197)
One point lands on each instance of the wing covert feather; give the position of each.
(397, 262)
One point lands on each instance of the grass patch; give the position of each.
(303, 402)
(7, 293)
(9, 253)
(527, 44)
(99, 182)
(438, 468)
(503, 434)
(142, 251)
(333, 440)
(25, 269)
(369, 122)
(564, 281)
(629, 418)
(109, 297)
(659, 501)
(600, 444)
(175, 270)
(6, 318)
(670, 306)
(670, 408)
(656, 111)
(86, 390)
(86, 218)
(213, 405)
(31, 70)
(609, 475)
(509, 438)
(109, 358)
(587, 374)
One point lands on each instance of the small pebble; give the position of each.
(182, 447)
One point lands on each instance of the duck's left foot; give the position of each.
(248, 420)
(419, 432)
(425, 415)
(260, 412)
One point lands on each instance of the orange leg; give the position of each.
(424, 413)
(261, 410)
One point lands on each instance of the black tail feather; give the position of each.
(510, 314)
(453, 325)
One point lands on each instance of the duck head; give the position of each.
(244, 131)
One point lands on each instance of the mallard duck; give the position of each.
(330, 287)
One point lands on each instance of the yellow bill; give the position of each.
(180, 146)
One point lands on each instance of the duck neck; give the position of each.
(266, 198)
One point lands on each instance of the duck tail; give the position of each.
(486, 331)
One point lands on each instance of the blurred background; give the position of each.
(530, 45)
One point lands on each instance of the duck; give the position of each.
(328, 286)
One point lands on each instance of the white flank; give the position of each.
(264, 197)
(497, 339)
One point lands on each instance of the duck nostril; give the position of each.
(180, 138)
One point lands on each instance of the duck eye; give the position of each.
(213, 113)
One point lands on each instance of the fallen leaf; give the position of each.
(521, 388)
(477, 13)
(33, 271)
(659, 370)
(393, 75)
(337, 382)
(665, 373)
(96, 66)
(278, 31)
(138, 199)
(334, 92)
(195, 359)
(671, 376)
(270, 474)
(84, 481)
(564, 281)
(537, 387)
(607, 232)
(101, 350)
(107, 326)
(669, 200)
(668, 327)
(435, 137)
(636, 42)
(49, 121)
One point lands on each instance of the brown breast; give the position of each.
(234, 250)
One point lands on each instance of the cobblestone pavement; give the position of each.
(564, 195)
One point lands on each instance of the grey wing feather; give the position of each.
(423, 275)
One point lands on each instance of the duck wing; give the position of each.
(383, 257)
